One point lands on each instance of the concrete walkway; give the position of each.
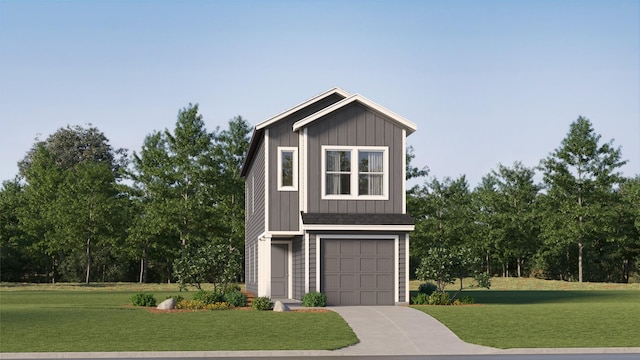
(401, 330)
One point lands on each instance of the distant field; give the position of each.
(523, 313)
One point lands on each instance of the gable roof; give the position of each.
(408, 125)
(348, 98)
(259, 129)
(282, 115)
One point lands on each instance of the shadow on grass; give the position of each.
(519, 297)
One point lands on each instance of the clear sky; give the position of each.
(486, 82)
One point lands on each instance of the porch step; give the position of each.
(250, 296)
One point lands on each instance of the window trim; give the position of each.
(294, 150)
(354, 150)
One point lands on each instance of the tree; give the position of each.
(579, 178)
(69, 175)
(441, 210)
(513, 213)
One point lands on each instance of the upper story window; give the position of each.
(287, 168)
(355, 173)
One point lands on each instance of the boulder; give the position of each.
(279, 306)
(168, 304)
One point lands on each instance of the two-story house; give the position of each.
(326, 205)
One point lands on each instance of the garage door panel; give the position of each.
(367, 265)
(358, 271)
(347, 265)
(384, 265)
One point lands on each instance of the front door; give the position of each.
(279, 271)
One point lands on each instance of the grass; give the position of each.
(546, 314)
(68, 318)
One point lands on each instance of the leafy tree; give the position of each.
(216, 263)
(230, 150)
(68, 176)
(508, 198)
(579, 178)
(16, 260)
(445, 265)
(441, 210)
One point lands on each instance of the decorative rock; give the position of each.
(168, 304)
(280, 307)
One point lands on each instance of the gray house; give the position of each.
(325, 203)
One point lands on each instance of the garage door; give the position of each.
(357, 272)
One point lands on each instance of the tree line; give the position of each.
(580, 223)
(81, 211)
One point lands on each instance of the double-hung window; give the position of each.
(287, 168)
(355, 173)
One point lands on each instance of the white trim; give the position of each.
(264, 266)
(306, 262)
(289, 266)
(294, 186)
(266, 180)
(410, 126)
(335, 90)
(396, 255)
(354, 150)
(301, 179)
(396, 265)
(323, 227)
(406, 268)
(317, 263)
(404, 171)
(304, 196)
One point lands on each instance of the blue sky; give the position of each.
(486, 82)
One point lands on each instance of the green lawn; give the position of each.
(545, 318)
(99, 319)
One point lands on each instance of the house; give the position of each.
(325, 203)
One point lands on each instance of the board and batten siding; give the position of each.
(254, 217)
(298, 266)
(355, 125)
(284, 213)
(284, 206)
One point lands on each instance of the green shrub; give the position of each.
(438, 298)
(177, 298)
(199, 305)
(143, 299)
(208, 297)
(262, 303)
(420, 299)
(427, 288)
(314, 299)
(467, 300)
(235, 298)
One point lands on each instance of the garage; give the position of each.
(357, 271)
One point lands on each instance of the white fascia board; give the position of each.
(323, 227)
(409, 125)
(335, 90)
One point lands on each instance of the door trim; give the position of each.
(289, 266)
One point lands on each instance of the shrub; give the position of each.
(143, 299)
(208, 297)
(177, 298)
(235, 298)
(420, 299)
(314, 299)
(262, 303)
(438, 298)
(427, 288)
(199, 305)
(465, 300)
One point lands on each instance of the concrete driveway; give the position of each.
(401, 330)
